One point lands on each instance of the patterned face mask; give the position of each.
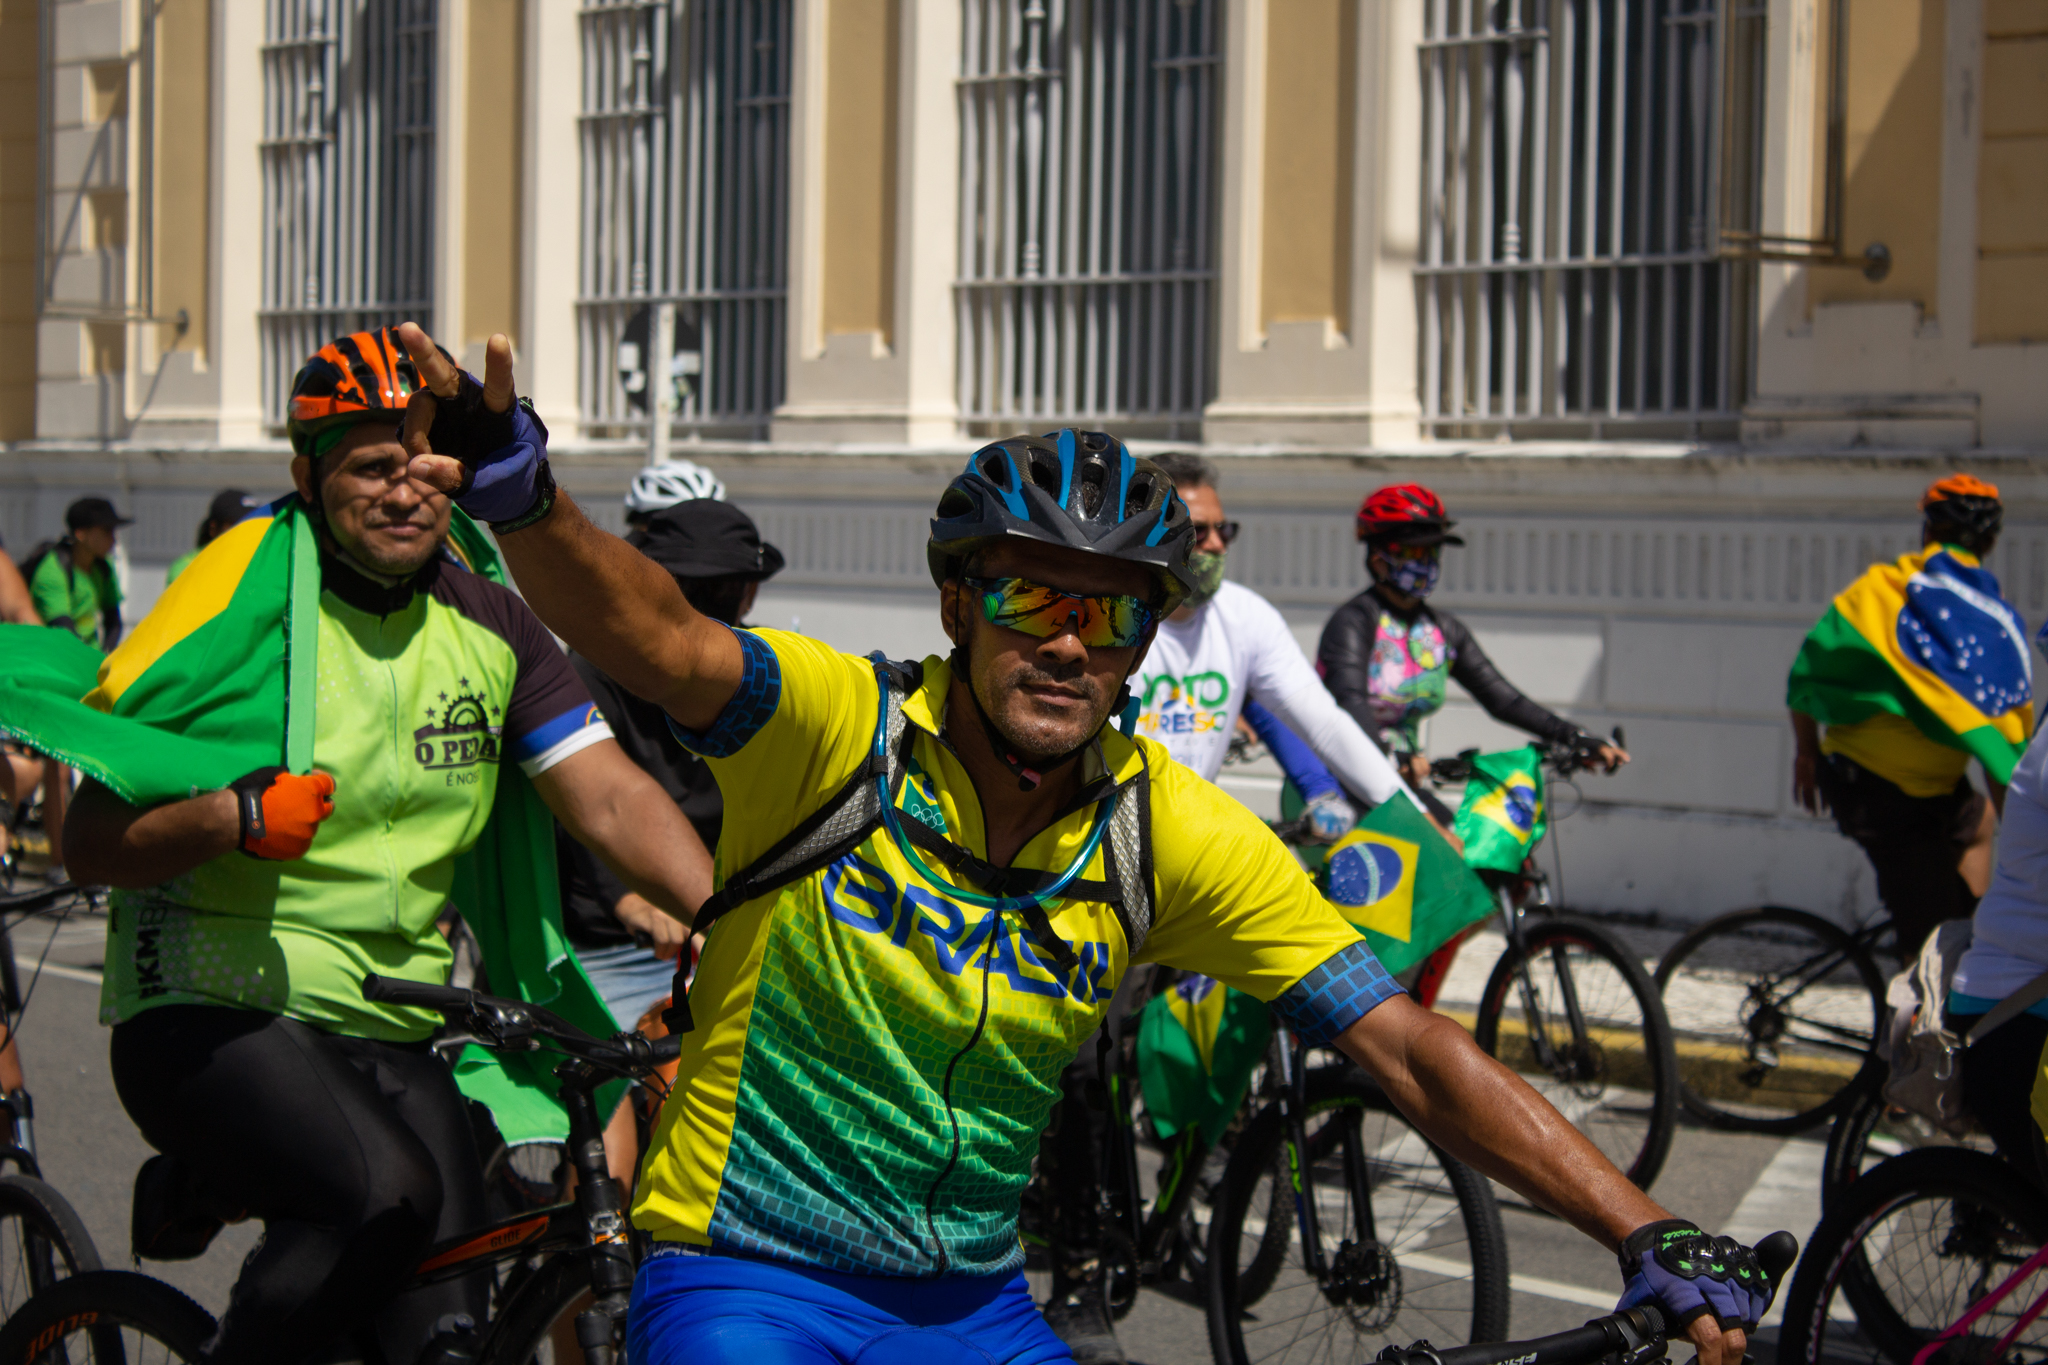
(1206, 568)
(1412, 569)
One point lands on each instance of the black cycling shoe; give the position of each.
(1078, 1314)
(170, 1220)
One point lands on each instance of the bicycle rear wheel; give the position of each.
(42, 1241)
(1435, 1264)
(1906, 1251)
(109, 1317)
(1776, 1014)
(1869, 1131)
(1596, 1042)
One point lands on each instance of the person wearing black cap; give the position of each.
(73, 584)
(230, 505)
(719, 560)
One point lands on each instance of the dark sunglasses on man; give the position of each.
(1227, 530)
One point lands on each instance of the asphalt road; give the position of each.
(90, 1151)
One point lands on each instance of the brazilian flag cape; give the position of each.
(1929, 638)
(219, 679)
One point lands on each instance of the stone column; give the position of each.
(548, 242)
(874, 196)
(1322, 120)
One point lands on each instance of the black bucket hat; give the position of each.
(707, 538)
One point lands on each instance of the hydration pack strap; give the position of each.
(854, 812)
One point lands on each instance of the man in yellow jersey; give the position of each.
(1907, 702)
(932, 876)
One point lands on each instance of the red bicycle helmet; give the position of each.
(1406, 513)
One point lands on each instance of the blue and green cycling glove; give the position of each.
(1693, 1276)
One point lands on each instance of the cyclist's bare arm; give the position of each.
(108, 842)
(614, 606)
(612, 807)
(1488, 1117)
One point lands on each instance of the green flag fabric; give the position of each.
(1198, 1044)
(1503, 815)
(219, 679)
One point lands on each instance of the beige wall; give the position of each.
(491, 166)
(2012, 169)
(1305, 230)
(1893, 151)
(18, 48)
(859, 277)
(184, 132)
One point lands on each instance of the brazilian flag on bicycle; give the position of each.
(194, 700)
(1392, 876)
(1928, 638)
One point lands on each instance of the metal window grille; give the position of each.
(685, 199)
(1581, 161)
(1087, 213)
(348, 175)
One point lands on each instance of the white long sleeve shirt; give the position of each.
(1199, 672)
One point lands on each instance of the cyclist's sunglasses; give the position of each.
(1116, 621)
(1226, 529)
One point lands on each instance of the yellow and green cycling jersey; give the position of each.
(873, 1060)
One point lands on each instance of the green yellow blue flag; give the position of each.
(218, 679)
(1198, 1044)
(1503, 815)
(1930, 638)
(1395, 878)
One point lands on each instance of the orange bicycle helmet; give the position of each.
(357, 378)
(1964, 508)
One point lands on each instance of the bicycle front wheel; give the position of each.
(42, 1241)
(536, 1325)
(109, 1317)
(1410, 1239)
(1776, 1014)
(1906, 1251)
(1575, 1013)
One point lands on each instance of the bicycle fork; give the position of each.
(1294, 1110)
(604, 1213)
(1532, 1012)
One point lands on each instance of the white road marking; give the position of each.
(28, 964)
(1786, 1195)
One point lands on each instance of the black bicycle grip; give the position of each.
(391, 991)
(1776, 1254)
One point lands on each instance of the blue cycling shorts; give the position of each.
(733, 1310)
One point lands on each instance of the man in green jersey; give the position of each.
(247, 918)
(74, 584)
(933, 877)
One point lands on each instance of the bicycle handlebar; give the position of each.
(1562, 759)
(1624, 1334)
(514, 1024)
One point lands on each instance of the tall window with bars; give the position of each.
(1582, 162)
(348, 175)
(1087, 269)
(685, 200)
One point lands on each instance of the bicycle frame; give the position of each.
(2037, 1261)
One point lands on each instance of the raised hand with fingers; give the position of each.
(477, 441)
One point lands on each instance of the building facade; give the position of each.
(1679, 303)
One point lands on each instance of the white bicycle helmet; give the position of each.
(663, 485)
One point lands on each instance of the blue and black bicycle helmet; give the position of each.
(1079, 489)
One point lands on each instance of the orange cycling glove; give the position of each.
(281, 811)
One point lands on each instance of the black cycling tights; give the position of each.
(356, 1155)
